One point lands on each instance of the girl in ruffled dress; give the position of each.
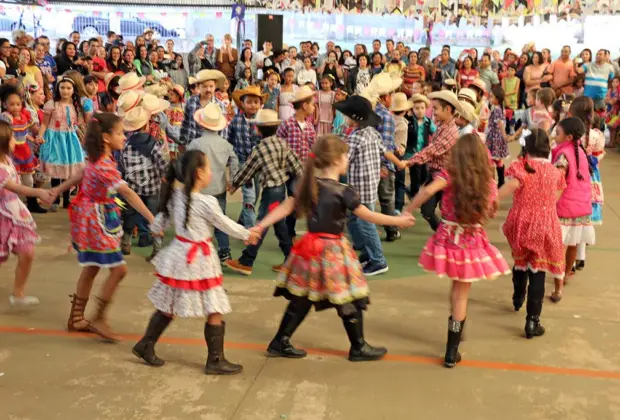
(532, 226)
(287, 93)
(496, 133)
(189, 275)
(460, 249)
(17, 228)
(323, 270)
(324, 109)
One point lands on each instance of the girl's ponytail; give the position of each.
(576, 144)
(308, 190)
(574, 127)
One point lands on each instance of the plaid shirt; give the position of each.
(386, 128)
(190, 130)
(365, 151)
(298, 139)
(273, 160)
(143, 173)
(243, 135)
(437, 153)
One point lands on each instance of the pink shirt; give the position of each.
(562, 73)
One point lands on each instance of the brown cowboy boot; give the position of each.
(99, 324)
(76, 322)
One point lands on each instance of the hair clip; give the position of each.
(312, 155)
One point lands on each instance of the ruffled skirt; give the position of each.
(577, 230)
(15, 237)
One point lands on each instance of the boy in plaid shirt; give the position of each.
(143, 164)
(275, 163)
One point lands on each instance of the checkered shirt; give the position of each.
(190, 130)
(298, 139)
(386, 129)
(437, 153)
(243, 135)
(144, 174)
(365, 152)
(274, 162)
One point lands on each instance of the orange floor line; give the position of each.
(481, 364)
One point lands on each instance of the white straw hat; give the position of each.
(128, 101)
(210, 117)
(400, 102)
(267, 117)
(136, 119)
(131, 81)
(153, 104)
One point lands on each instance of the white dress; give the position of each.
(286, 107)
(189, 275)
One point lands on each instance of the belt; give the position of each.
(458, 228)
(196, 246)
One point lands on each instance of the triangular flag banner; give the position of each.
(496, 2)
(509, 3)
(444, 3)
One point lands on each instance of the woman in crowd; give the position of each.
(359, 77)
(127, 65)
(534, 74)
(524, 61)
(246, 61)
(142, 63)
(68, 59)
(177, 72)
(467, 73)
(114, 61)
(330, 67)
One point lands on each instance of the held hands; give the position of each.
(256, 232)
(47, 196)
(405, 220)
(402, 165)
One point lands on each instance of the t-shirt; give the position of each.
(597, 79)
(489, 77)
(562, 72)
(99, 65)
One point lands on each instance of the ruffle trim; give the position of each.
(197, 285)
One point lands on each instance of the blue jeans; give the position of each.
(250, 192)
(223, 243)
(269, 196)
(366, 238)
(291, 220)
(131, 217)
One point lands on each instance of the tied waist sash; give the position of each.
(458, 229)
(196, 246)
(312, 244)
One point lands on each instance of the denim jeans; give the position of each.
(417, 177)
(291, 220)
(131, 217)
(366, 238)
(386, 199)
(269, 196)
(250, 193)
(429, 208)
(223, 242)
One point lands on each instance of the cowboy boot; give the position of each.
(453, 356)
(281, 345)
(76, 322)
(519, 282)
(126, 244)
(216, 362)
(535, 296)
(99, 325)
(158, 244)
(145, 348)
(360, 350)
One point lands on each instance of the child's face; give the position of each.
(419, 110)
(615, 83)
(38, 97)
(203, 176)
(460, 122)
(174, 96)
(91, 88)
(247, 74)
(560, 135)
(116, 139)
(289, 78)
(427, 90)
(416, 88)
(340, 96)
(89, 66)
(273, 80)
(66, 90)
(226, 85)
(325, 84)
(493, 99)
(13, 105)
(440, 113)
(511, 72)
(251, 104)
(194, 90)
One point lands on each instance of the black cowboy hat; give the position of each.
(359, 109)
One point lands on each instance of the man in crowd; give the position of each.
(444, 67)
(111, 35)
(75, 38)
(44, 41)
(248, 44)
(210, 51)
(389, 44)
(563, 73)
(486, 73)
(99, 64)
(598, 75)
(329, 48)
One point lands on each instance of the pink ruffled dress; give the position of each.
(17, 228)
(461, 252)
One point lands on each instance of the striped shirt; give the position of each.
(597, 79)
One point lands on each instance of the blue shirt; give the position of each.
(272, 100)
(190, 130)
(243, 135)
(597, 79)
(386, 130)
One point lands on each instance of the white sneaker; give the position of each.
(23, 301)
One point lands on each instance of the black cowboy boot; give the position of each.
(360, 350)
(453, 356)
(519, 282)
(216, 362)
(145, 348)
(535, 296)
(294, 315)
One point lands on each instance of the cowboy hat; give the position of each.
(267, 117)
(128, 101)
(359, 109)
(469, 95)
(131, 81)
(215, 75)
(180, 91)
(400, 102)
(108, 78)
(416, 97)
(449, 82)
(210, 117)
(447, 96)
(136, 119)
(251, 90)
(480, 85)
(468, 112)
(191, 80)
(301, 94)
(153, 104)
(384, 84)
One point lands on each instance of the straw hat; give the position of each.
(136, 119)
(215, 75)
(449, 82)
(447, 96)
(301, 94)
(128, 101)
(468, 112)
(384, 84)
(480, 85)
(210, 117)
(108, 78)
(191, 80)
(153, 104)
(400, 102)
(251, 90)
(131, 81)
(359, 109)
(419, 98)
(267, 117)
(469, 95)
(179, 89)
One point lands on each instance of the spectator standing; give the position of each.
(487, 75)
(597, 78)
(227, 58)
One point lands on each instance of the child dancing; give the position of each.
(322, 269)
(532, 226)
(189, 275)
(460, 249)
(95, 221)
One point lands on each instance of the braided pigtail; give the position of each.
(191, 162)
(576, 146)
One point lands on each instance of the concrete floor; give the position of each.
(573, 372)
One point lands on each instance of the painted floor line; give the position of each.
(481, 364)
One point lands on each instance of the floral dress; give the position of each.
(461, 252)
(532, 226)
(189, 274)
(23, 156)
(95, 217)
(361, 81)
(17, 227)
(495, 137)
(596, 152)
(175, 115)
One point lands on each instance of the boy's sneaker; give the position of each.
(126, 244)
(224, 257)
(237, 267)
(364, 260)
(580, 264)
(392, 237)
(372, 269)
(23, 301)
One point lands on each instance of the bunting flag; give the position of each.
(509, 3)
